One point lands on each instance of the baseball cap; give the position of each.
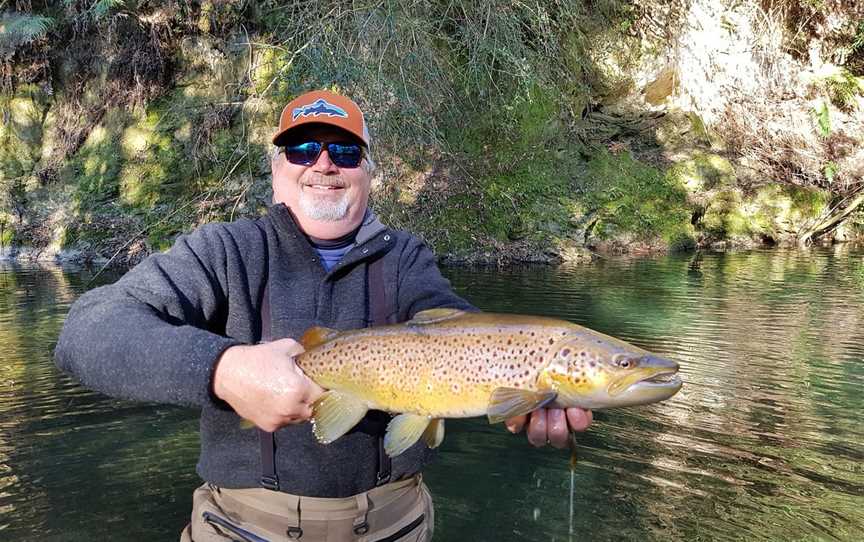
(322, 107)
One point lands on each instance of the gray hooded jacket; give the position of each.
(156, 334)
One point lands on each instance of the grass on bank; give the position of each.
(482, 116)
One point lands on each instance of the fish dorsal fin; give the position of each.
(403, 431)
(430, 316)
(334, 414)
(317, 335)
(508, 402)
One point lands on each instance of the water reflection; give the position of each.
(75, 465)
(763, 443)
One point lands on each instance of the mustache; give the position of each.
(324, 180)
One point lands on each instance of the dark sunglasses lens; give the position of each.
(303, 154)
(345, 154)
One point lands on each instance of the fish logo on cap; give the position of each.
(318, 107)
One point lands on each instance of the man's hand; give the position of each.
(551, 425)
(264, 385)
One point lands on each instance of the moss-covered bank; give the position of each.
(503, 132)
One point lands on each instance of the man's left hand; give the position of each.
(551, 425)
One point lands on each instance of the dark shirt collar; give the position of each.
(339, 242)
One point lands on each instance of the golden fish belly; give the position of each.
(435, 371)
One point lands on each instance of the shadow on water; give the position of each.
(764, 442)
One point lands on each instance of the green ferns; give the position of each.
(20, 29)
(843, 89)
(101, 8)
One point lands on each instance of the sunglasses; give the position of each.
(347, 155)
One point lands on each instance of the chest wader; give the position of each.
(378, 311)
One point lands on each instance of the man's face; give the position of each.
(323, 197)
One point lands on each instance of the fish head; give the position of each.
(592, 370)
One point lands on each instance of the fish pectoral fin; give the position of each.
(434, 433)
(508, 402)
(430, 316)
(403, 431)
(334, 414)
(316, 335)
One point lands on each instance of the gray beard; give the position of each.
(323, 209)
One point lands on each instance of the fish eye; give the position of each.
(624, 363)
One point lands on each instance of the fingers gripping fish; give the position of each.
(446, 363)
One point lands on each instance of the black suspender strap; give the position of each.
(269, 479)
(378, 307)
(377, 294)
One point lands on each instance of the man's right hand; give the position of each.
(264, 385)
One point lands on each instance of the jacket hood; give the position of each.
(369, 228)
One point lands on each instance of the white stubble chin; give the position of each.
(323, 208)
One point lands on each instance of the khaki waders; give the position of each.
(396, 512)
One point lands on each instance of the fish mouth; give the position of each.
(663, 377)
(655, 379)
(657, 387)
(668, 379)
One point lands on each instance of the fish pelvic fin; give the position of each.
(316, 335)
(508, 402)
(403, 431)
(434, 433)
(334, 414)
(430, 316)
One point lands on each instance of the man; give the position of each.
(212, 324)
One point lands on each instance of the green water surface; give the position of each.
(764, 442)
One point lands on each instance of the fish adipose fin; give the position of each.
(434, 434)
(316, 335)
(508, 402)
(334, 414)
(430, 316)
(403, 431)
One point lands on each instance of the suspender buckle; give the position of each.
(270, 482)
(382, 478)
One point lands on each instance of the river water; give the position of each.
(764, 442)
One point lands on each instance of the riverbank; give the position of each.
(502, 136)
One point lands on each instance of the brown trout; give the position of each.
(446, 363)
